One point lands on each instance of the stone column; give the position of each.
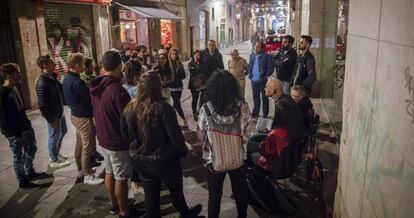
(30, 39)
(319, 19)
(102, 28)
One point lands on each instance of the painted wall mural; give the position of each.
(166, 32)
(69, 29)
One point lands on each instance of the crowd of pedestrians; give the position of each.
(126, 105)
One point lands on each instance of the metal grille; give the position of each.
(69, 29)
(7, 53)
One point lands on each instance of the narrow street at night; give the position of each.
(206, 108)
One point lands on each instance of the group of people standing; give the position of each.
(291, 69)
(127, 108)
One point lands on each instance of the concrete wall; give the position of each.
(30, 39)
(102, 28)
(376, 170)
(319, 20)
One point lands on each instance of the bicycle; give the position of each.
(339, 75)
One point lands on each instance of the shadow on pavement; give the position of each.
(25, 200)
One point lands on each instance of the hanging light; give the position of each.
(127, 26)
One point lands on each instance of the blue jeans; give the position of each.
(258, 89)
(24, 150)
(56, 137)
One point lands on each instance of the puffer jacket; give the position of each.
(49, 97)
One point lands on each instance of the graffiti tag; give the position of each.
(409, 85)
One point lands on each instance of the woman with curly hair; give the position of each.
(157, 145)
(224, 105)
(176, 85)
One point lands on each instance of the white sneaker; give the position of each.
(92, 180)
(62, 157)
(59, 164)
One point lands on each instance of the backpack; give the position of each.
(227, 143)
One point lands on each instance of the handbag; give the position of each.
(199, 81)
(226, 145)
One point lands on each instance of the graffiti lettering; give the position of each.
(409, 85)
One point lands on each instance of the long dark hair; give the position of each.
(144, 106)
(132, 71)
(223, 92)
(286, 117)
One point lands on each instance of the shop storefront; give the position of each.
(69, 29)
(150, 26)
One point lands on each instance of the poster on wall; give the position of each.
(69, 30)
(166, 32)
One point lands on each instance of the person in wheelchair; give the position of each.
(264, 150)
(306, 107)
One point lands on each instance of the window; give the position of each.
(128, 32)
(212, 14)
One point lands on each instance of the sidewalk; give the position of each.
(61, 197)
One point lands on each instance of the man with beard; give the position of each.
(284, 63)
(305, 67)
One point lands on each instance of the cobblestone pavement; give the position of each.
(62, 197)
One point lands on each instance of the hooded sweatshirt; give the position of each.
(108, 101)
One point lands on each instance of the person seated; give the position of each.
(264, 149)
(306, 107)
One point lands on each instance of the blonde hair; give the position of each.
(299, 89)
(74, 59)
(174, 64)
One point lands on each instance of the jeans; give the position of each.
(176, 96)
(215, 190)
(195, 96)
(253, 148)
(286, 87)
(152, 174)
(24, 150)
(56, 137)
(258, 89)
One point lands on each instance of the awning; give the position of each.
(148, 13)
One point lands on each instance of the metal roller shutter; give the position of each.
(7, 53)
(69, 29)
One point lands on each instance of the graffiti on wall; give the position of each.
(409, 85)
(166, 32)
(66, 36)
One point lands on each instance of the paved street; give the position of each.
(61, 197)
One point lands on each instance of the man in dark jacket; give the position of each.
(108, 100)
(285, 61)
(16, 127)
(260, 67)
(50, 102)
(211, 59)
(305, 66)
(79, 101)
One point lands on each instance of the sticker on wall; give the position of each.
(330, 43)
(315, 43)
